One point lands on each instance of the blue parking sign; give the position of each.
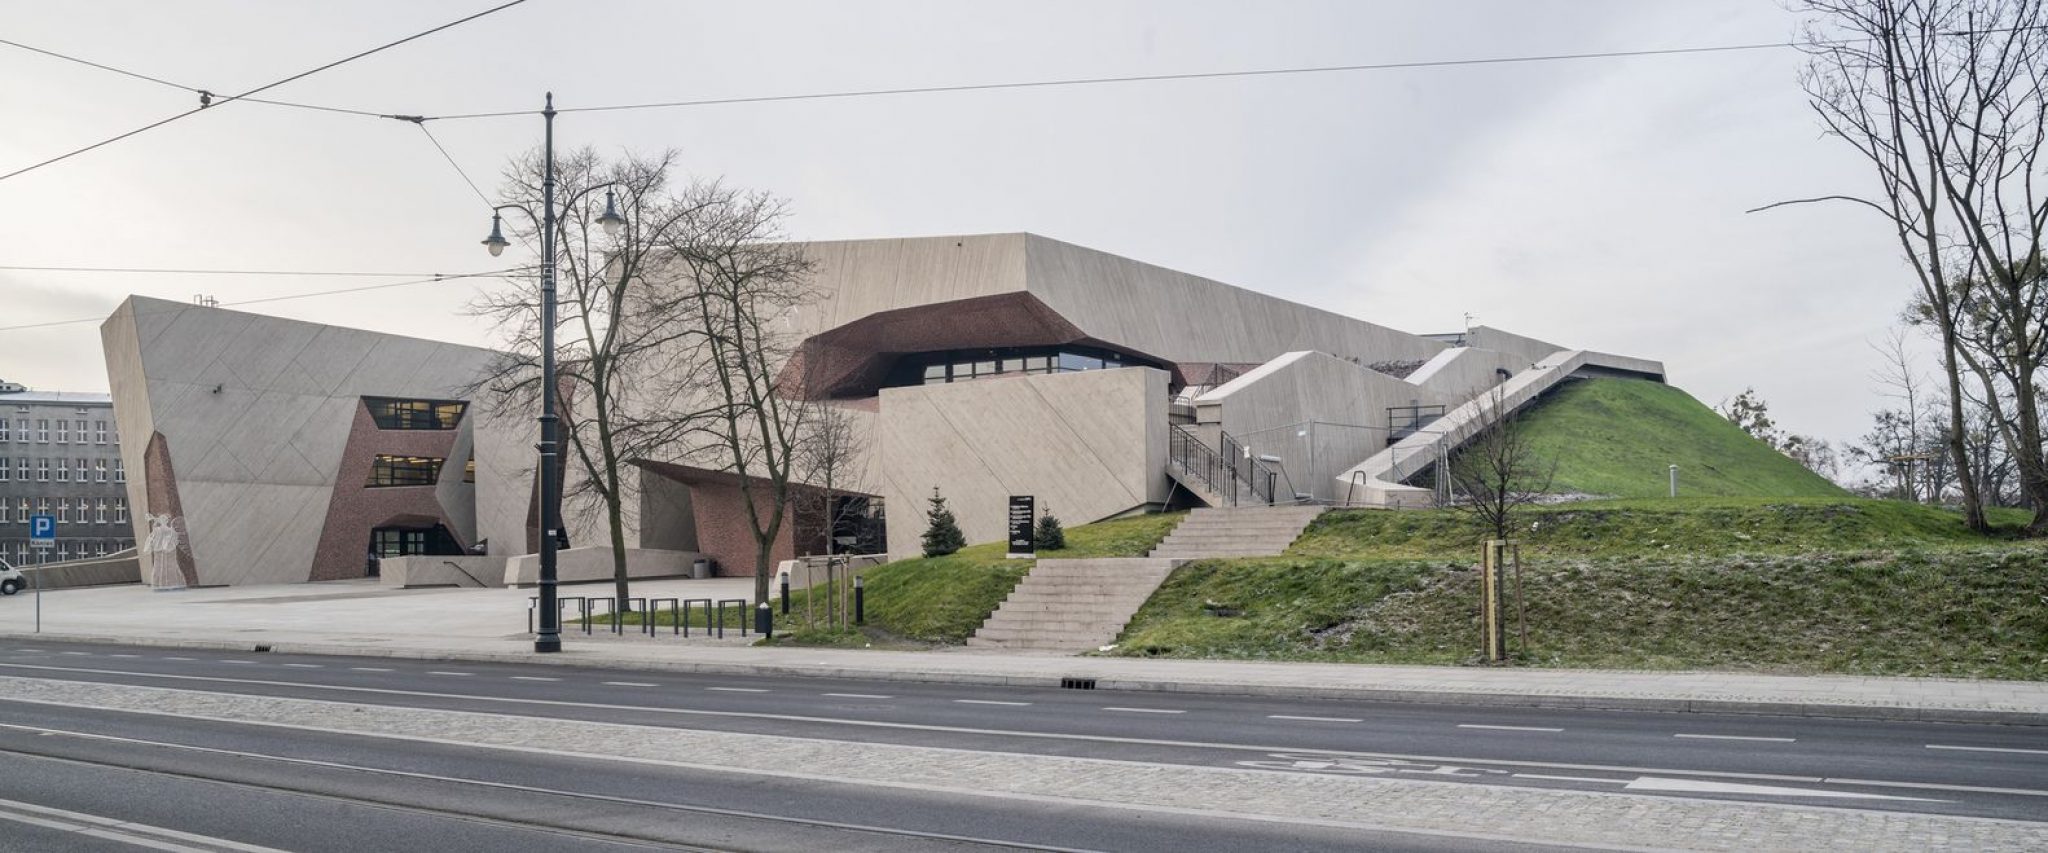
(42, 531)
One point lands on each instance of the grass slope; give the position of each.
(1617, 438)
(941, 600)
(1783, 585)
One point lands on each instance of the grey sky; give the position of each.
(1596, 203)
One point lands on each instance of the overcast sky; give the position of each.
(1595, 203)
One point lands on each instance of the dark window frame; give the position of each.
(392, 471)
(408, 413)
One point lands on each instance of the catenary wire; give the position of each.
(265, 87)
(286, 297)
(184, 271)
(454, 165)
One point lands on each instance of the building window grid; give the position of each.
(120, 476)
(42, 430)
(6, 472)
(966, 366)
(21, 469)
(78, 428)
(63, 473)
(42, 470)
(392, 413)
(63, 431)
(99, 512)
(63, 510)
(5, 432)
(120, 510)
(404, 471)
(99, 432)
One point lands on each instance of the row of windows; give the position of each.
(394, 413)
(964, 365)
(19, 553)
(88, 510)
(405, 470)
(87, 432)
(55, 470)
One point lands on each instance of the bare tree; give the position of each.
(1498, 472)
(609, 332)
(738, 285)
(1945, 99)
(828, 460)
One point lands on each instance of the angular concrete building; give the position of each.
(983, 366)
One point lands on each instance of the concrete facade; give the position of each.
(985, 366)
(60, 454)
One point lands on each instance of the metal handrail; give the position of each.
(1199, 461)
(1257, 476)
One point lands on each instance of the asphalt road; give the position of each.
(230, 781)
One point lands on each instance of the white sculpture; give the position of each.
(161, 550)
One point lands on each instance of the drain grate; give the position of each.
(1077, 684)
(263, 647)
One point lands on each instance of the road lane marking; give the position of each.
(371, 669)
(124, 831)
(989, 702)
(972, 730)
(124, 656)
(533, 678)
(737, 689)
(1570, 778)
(859, 695)
(1314, 719)
(88, 654)
(235, 660)
(1990, 749)
(631, 684)
(303, 665)
(1145, 710)
(1703, 786)
(1508, 728)
(1740, 737)
(442, 672)
(178, 658)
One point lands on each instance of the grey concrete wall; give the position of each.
(427, 570)
(256, 412)
(1463, 372)
(76, 573)
(588, 565)
(1088, 445)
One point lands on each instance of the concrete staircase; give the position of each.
(1071, 606)
(1262, 531)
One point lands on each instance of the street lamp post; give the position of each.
(549, 639)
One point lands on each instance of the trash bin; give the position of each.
(700, 570)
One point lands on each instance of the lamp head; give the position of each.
(496, 242)
(611, 220)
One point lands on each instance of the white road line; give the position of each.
(441, 672)
(988, 702)
(533, 678)
(1145, 710)
(631, 684)
(858, 695)
(371, 668)
(737, 689)
(124, 656)
(176, 658)
(1314, 719)
(1570, 778)
(1990, 749)
(126, 832)
(231, 660)
(1508, 728)
(75, 653)
(1740, 737)
(303, 665)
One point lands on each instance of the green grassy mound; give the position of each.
(1618, 437)
(1978, 611)
(941, 600)
(1655, 525)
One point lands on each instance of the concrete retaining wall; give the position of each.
(585, 565)
(424, 570)
(84, 573)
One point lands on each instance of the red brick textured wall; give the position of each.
(356, 508)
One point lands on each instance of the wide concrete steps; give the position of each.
(1237, 532)
(1072, 605)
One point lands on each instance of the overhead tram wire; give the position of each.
(194, 90)
(210, 103)
(176, 271)
(288, 296)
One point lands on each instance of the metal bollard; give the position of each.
(785, 594)
(860, 601)
(764, 621)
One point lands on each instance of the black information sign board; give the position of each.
(1023, 521)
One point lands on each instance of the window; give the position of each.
(962, 365)
(117, 433)
(82, 470)
(119, 475)
(99, 470)
(120, 510)
(99, 512)
(43, 470)
(404, 471)
(21, 430)
(21, 468)
(403, 541)
(63, 473)
(4, 470)
(80, 426)
(42, 430)
(63, 431)
(391, 413)
(4, 433)
(63, 511)
(5, 511)
(99, 432)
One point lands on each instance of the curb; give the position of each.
(1503, 699)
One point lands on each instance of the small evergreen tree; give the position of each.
(942, 534)
(1050, 536)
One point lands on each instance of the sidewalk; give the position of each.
(489, 625)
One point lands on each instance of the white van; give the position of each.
(11, 579)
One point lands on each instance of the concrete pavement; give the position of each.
(489, 625)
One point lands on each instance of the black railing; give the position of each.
(1404, 421)
(1258, 478)
(1198, 462)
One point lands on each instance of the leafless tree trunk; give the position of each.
(1498, 472)
(828, 460)
(608, 334)
(1945, 99)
